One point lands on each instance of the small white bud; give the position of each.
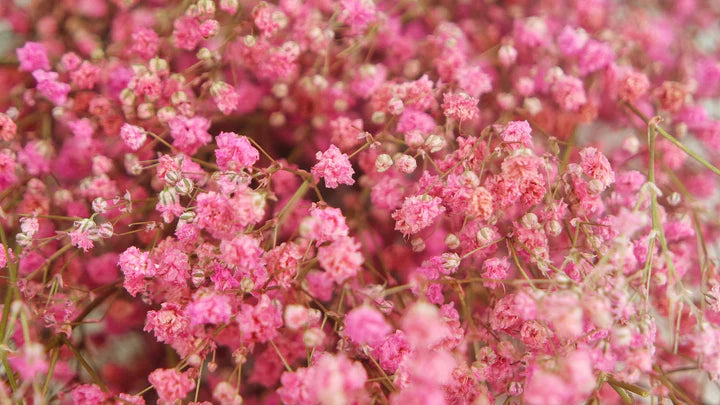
(383, 162)
(529, 221)
(435, 143)
(99, 205)
(417, 244)
(452, 241)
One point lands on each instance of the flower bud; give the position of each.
(313, 337)
(417, 244)
(405, 163)
(507, 54)
(168, 197)
(247, 284)
(533, 105)
(483, 236)
(105, 230)
(277, 119)
(249, 40)
(631, 144)
(178, 97)
(99, 205)
(595, 186)
(529, 221)
(184, 186)
(146, 111)
(553, 228)
(229, 6)
(378, 117)
(198, 277)
(127, 97)
(450, 262)
(187, 216)
(674, 199)
(280, 90)
(383, 162)
(206, 7)
(172, 177)
(435, 143)
(166, 114)
(395, 106)
(452, 241)
(23, 239)
(159, 66)
(204, 54)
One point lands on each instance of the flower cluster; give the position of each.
(359, 202)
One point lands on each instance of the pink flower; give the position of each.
(328, 224)
(423, 326)
(225, 97)
(495, 268)
(33, 56)
(8, 129)
(341, 259)
(234, 152)
(168, 323)
(29, 361)
(334, 167)
(412, 119)
(417, 213)
(261, 322)
(596, 166)
(633, 86)
(209, 307)
(243, 251)
(171, 385)
(392, 351)
(81, 238)
(366, 325)
(460, 106)
(145, 43)
(136, 266)
(49, 86)
(133, 136)
(7, 169)
(85, 76)
(357, 14)
(189, 134)
(568, 92)
(89, 394)
(594, 56)
(331, 380)
(186, 31)
(517, 134)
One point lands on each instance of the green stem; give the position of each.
(53, 360)
(93, 374)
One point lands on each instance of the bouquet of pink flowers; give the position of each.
(359, 202)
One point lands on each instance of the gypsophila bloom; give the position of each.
(365, 325)
(417, 213)
(171, 385)
(596, 166)
(340, 259)
(334, 167)
(517, 134)
(133, 136)
(460, 106)
(33, 56)
(234, 152)
(530, 217)
(8, 128)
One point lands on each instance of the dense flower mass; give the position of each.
(359, 202)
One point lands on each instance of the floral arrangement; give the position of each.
(359, 202)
